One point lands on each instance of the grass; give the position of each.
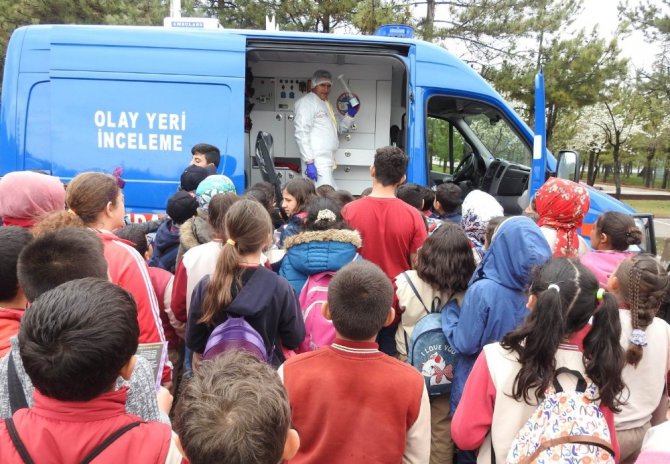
(660, 208)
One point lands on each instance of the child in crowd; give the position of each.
(510, 378)
(201, 260)
(326, 190)
(51, 259)
(97, 199)
(13, 300)
(235, 410)
(495, 301)
(206, 156)
(412, 194)
(242, 286)
(181, 207)
(561, 206)
(198, 262)
(326, 243)
(297, 194)
(264, 193)
(392, 231)
(443, 268)
(478, 209)
(352, 372)
(196, 230)
(611, 237)
(26, 196)
(344, 197)
(640, 284)
(73, 361)
(491, 228)
(193, 175)
(162, 281)
(448, 198)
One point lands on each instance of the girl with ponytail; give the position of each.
(242, 286)
(641, 284)
(510, 378)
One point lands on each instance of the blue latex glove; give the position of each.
(352, 110)
(310, 171)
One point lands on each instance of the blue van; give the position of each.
(80, 98)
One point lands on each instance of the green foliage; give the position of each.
(16, 13)
(576, 71)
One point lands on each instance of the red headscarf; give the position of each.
(25, 196)
(562, 205)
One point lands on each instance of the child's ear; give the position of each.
(127, 370)
(372, 171)
(325, 310)
(532, 302)
(292, 444)
(604, 238)
(613, 284)
(390, 317)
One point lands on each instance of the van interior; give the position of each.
(277, 77)
(468, 142)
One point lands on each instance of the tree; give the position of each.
(15, 13)
(589, 138)
(575, 70)
(619, 122)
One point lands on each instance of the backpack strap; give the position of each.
(416, 292)
(17, 397)
(108, 441)
(17, 442)
(581, 382)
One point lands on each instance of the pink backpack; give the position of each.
(318, 330)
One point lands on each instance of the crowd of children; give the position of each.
(292, 326)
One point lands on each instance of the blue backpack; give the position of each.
(428, 350)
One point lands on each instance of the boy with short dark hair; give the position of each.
(181, 207)
(235, 410)
(448, 198)
(328, 388)
(75, 340)
(59, 256)
(392, 231)
(204, 154)
(13, 301)
(49, 260)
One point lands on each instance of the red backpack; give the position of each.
(319, 331)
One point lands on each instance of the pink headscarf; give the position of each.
(25, 196)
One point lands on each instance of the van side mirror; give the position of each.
(567, 166)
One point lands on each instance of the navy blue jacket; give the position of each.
(166, 246)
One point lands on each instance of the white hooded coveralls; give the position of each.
(316, 133)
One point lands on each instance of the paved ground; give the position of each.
(634, 191)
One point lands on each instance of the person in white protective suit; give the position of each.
(317, 127)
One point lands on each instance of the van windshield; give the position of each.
(499, 139)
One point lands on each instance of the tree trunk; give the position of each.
(617, 169)
(648, 171)
(429, 24)
(606, 173)
(592, 171)
(666, 171)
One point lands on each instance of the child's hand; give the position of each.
(164, 400)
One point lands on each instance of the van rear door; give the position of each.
(139, 99)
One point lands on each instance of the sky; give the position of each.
(603, 13)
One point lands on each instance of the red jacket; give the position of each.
(10, 321)
(64, 432)
(128, 270)
(160, 279)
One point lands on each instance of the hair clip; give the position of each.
(554, 287)
(118, 171)
(600, 294)
(230, 242)
(326, 215)
(638, 337)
